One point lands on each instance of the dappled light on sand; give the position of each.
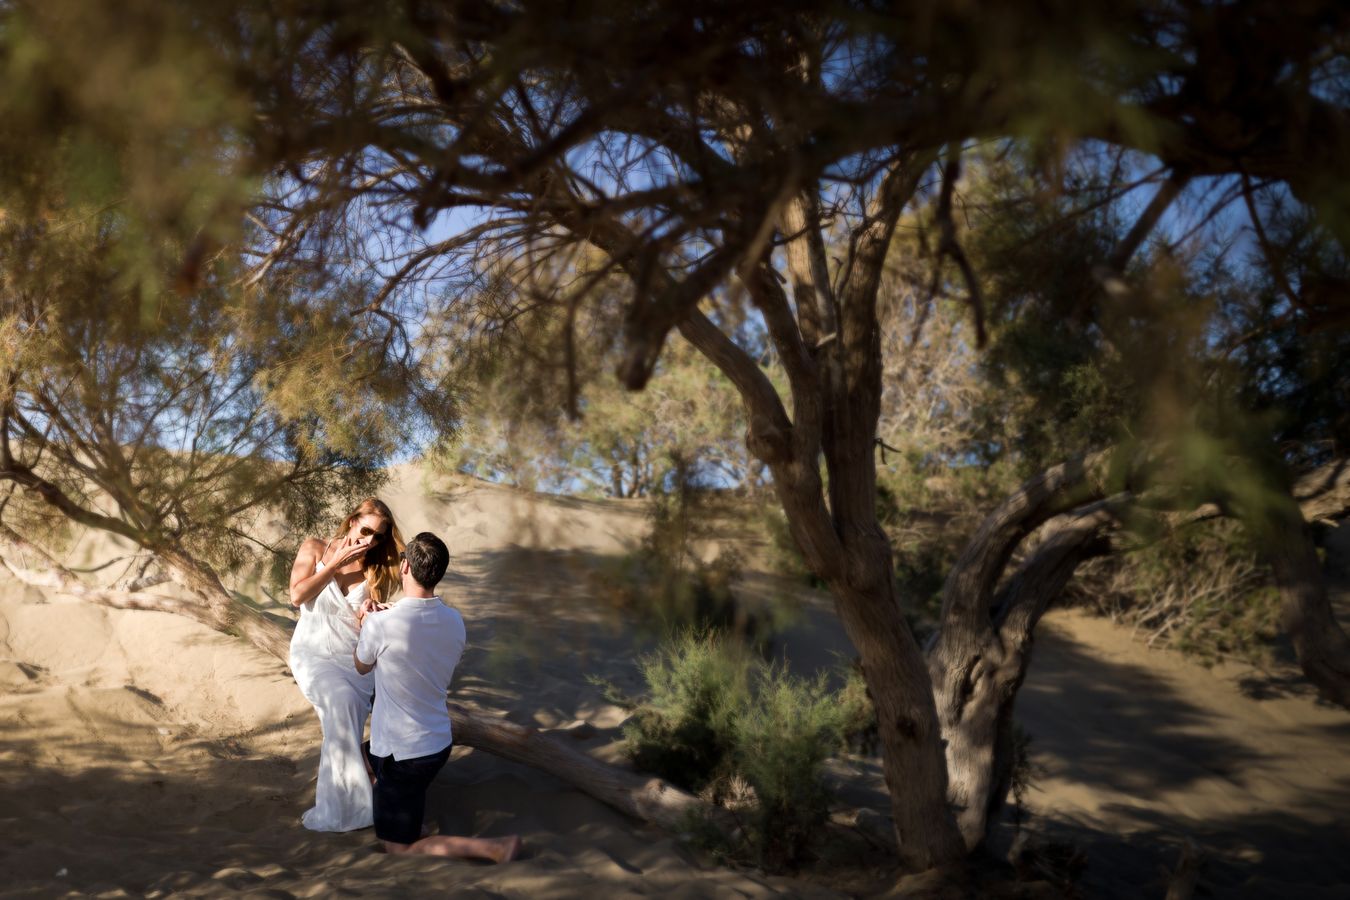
(862, 349)
(144, 752)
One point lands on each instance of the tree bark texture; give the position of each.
(912, 758)
(1279, 529)
(979, 739)
(832, 355)
(980, 658)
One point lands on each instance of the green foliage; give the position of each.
(683, 731)
(1298, 375)
(781, 742)
(152, 379)
(1193, 342)
(921, 565)
(663, 593)
(747, 734)
(929, 513)
(783, 555)
(619, 443)
(131, 112)
(681, 577)
(1200, 590)
(196, 414)
(1057, 382)
(1236, 626)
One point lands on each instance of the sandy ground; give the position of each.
(141, 754)
(1139, 749)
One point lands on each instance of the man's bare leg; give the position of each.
(498, 850)
(365, 758)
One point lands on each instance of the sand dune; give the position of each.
(145, 755)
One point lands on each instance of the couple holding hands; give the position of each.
(352, 645)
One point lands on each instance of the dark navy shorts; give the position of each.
(401, 794)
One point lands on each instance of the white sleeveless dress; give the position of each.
(321, 659)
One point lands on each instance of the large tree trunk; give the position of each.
(979, 658)
(863, 581)
(858, 570)
(912, 757)
(980, 740)
(1279, 529)
(1321, 645)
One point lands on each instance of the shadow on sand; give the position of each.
(1147, 768)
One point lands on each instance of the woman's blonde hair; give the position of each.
(380, 564)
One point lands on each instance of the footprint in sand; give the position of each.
(124, 720)
(20, 677)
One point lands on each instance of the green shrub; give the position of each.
(746, 734)
(784, 556)
(922, 560)
(780, 744)
(662, 597)
(1201, 590)
(696, 685)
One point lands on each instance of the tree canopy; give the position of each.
(388, 196)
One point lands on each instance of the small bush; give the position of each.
(1201, 591)
(780, 744)
(748, 735)
(683, 731)
(662, 597)
(861, 732)
(922, 561)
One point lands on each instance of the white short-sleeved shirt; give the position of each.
(414, 647)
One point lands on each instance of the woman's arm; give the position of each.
(306, 583)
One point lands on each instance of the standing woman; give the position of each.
(330, 581)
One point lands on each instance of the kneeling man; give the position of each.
(413, 649)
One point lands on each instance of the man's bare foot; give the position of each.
(509, 848)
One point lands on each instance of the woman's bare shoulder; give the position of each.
(313, 547)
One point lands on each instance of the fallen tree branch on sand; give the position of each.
(641, 796)
(61, 579)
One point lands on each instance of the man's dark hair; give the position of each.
(428, 557)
